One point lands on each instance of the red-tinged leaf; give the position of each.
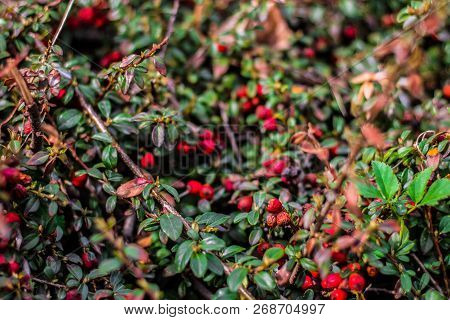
(282, 275)
(351, 194)
(345, 242)
(132, 188)
(373, 136)
(38, 158)
(128, 60)
(136, 252)
(160, 67)
(389, 226)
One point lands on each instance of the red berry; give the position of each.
(255, 101)
(194, 186)
(270, 124)
(263, 113)
(88, 262)
(247, 106)
(311, 178)
(315, 274)
(206, 135)
(268, 163)
(356, 282)
(350, 32)
(12, 175)
(79, 181)
(279, 245)
(86, 15)
(221, 48)
(354, 267)
(12, 217)
(19, 191)
(307, 283)
(245, 203)
(317, 132)
(2, 259)
(241, 92)
(61, 94)
(259, 90)
(27, 128)
(338, 294)
(262, 247)
(111, 57)
(271, 220)
(283, 218)
(309, 53)
(331, 281)
(207, 192)
(148, 160)
(339, 256)
(73, 295)
(13, 266)
(446, 91)
(279, 166)
(228, 184)
(274, 206)
(207, 146)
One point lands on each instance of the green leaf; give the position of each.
(433, 295)
(109, 265)
(386, 179)
(271, 255)
(109, 157)
(135, 252)
(405, 281)
(368, 190)
(111, 204)
(172, 191)
(439, 190)
(212, 243)
(199, 264)
(69, 119)
(416, 189)
(101, 136)
(75, 271)
(444, 224)
(236, 278)
(212, 219)
(308, 264)
(265, 281)
(38, 158)
(171, 225)
(184, 253)
(214, 264)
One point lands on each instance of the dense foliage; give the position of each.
(224, 149)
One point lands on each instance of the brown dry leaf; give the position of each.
(282, 275)
(276, 32)
(132, 188)
(373, 136)
(351, 194)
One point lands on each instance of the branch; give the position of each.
(436, 285)
(138, 173)
(58, 31)
(144, 55)
(429, 221)
(230, 134)
(57, 285)
(32, 107)
(173, 17)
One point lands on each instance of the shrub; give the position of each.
(224, 150)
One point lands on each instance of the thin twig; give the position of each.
(144, 55)
(138, 173)
(230, 134)
(32, 107)
(436, 285)
(429, 220)
(58, 31)
(173, 17)
(57, 285)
